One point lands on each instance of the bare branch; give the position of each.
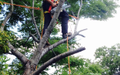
(34, 38)
(19, 55)
(79, 9)
(34, 21)
(56, 58)
(81, 35)
(78, 17)
(7, 17)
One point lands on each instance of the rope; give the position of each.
(36, 8)
(42, 22)
(36, 68)
(74, 17)
(68, 57)
(1, 4)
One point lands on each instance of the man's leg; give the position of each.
(47, 21)
(64, 19)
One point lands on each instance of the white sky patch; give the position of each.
(99, 33)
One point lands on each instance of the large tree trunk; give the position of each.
(31, 65)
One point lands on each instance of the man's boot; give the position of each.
(67, 34)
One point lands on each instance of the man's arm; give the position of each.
(52, 3)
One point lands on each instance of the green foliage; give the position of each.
(109, 58)
(17, 67)
(3, 65)
(4, 37)
(99, 10)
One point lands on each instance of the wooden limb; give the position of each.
(34, 38)
(78, 16)
(19, 55)
(81, 35)
(34, 21)
(7, 17)
(57, 58)
(79, 9)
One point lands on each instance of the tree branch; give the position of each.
(56, 58)
(8, 16)
(34, 38)
(78, 17)
(34, 21)
(19, 55)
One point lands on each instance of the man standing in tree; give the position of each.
(64, 17)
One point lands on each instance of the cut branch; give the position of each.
(7, 17)
(56, 58)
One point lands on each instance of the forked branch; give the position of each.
(57, 58)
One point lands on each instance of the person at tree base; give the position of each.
(64, 17)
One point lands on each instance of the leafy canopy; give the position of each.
(109, 58)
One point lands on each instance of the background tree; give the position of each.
(81, 66)
(28, 47)
(109, 59)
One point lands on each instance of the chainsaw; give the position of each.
(64, 6)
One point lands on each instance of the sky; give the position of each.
(99, 34)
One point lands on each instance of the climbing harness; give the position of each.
(50, 8)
